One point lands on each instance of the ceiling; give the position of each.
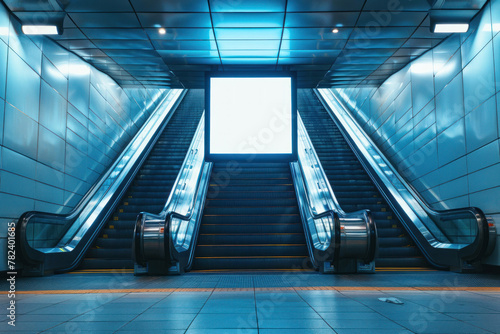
(121, 37)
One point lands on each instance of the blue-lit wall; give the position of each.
(438, 119)
(62, 123)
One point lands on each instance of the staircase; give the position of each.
(251, 220)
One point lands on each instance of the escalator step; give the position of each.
(253, 263)
(252, 250)
(250, 228)
(280, 202)
(249, 238)
(251, 220)
(243, 211)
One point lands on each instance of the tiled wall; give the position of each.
(62, 123)
(438, 119)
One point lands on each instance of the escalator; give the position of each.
(150, 188)
(251, 220)
(352, 185)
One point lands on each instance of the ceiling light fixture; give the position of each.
(46, 23)
(449, 28)
(162, 31)
(30, 29)
(450, 21)
(335, 30)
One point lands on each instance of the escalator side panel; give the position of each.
(352, 185)
(150, 188)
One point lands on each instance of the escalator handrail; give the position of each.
(334, 209)
(201, 187)
(475, 250)
(109, 186)
(195, 148)
(193, 163)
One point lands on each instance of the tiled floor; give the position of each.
(242, 309)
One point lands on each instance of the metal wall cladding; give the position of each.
(62, 122)
(451, 149)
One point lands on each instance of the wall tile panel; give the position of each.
(44, 123)
(479, 79)
(23, 86)
(481, 125)
(456, 128)
(449, 104)
(20, 132)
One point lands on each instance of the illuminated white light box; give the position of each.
(251, 116)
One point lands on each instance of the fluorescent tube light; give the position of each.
(40, 30)
(448, 28)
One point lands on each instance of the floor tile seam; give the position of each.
(305, 301)
(255, 303)
(375, 311)
(76, 316)
(130, 321)
(199, 311)
(450, 314)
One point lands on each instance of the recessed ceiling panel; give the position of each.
(248, 20)
(120, 44)
(249, 53)
(324, 5)
(247, 6)
(397, 6)
(175, 20)
(360, 60)
(316, 33)
(99, 6)
(304, 61)
(250, 61)
(248, 33)
(152, 6)
(328, 42)
(131, 53)
(116, 33)
(389, 43)
(309, 53)
(391, 19)
(323, 19)
(312, 44)
(71, 33)
(235, 44)
(188, 53)
(181, 34)
(105, 20)
(368, 53)
(184, 45)
(382, 32)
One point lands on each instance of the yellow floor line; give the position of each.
(313, 288)
(102, 271)
(131, 271)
